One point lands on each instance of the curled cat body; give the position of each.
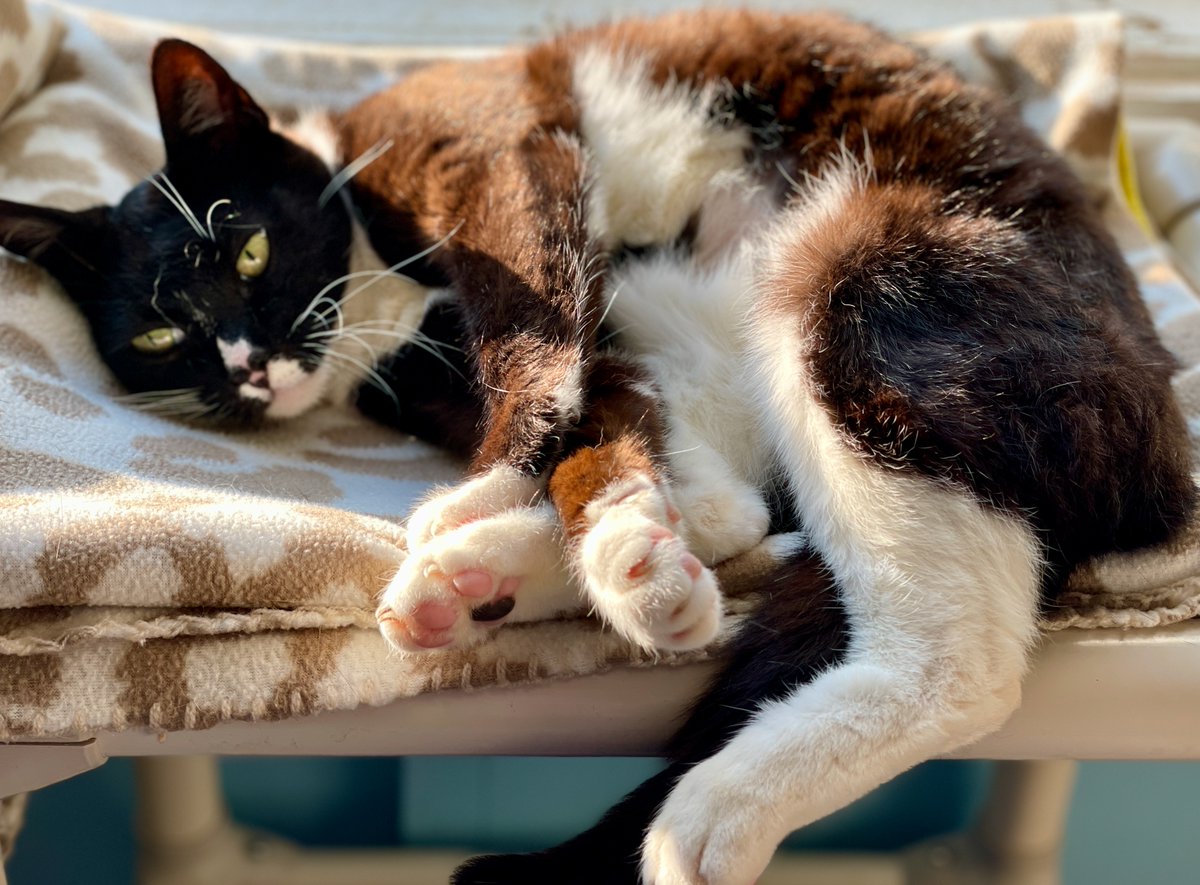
(707, 280)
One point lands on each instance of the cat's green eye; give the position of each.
(157, 340)
(252, 260)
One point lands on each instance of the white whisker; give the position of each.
(365, 159)
(176, 199)
(377, 274)
(411, 336)
(374, 377)
(208, 218)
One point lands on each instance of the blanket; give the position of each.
(156, 575)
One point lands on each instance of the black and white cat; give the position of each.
(708, 276)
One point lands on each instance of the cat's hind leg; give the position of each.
(765, 663)
(940, 589)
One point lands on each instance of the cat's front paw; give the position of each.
(454, 590)
(640, 574)
(499, 489)
(712, 830)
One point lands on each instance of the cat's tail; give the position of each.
(796, 629)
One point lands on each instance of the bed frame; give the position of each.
(1092, 694)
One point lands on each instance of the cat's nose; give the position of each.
(255, 378)
(240, 356)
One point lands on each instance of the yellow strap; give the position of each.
(1127, 175)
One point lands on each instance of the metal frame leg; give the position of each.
(1018, 838)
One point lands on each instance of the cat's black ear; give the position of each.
(70, 245)
(200, 107)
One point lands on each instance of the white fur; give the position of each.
(686, 323)
(639, 574)
(522, 543)
(298, 391)
(284, 372)
(494, 523)
(235, 354)
(652, 150)
(568, 395)
(941, 595)
(501, 488)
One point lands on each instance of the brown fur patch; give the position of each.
(620, 437)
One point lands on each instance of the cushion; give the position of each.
(156, 575)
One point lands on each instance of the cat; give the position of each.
(676, 286)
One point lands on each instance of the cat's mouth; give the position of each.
(273, 386)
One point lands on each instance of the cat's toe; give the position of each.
(484, 496)
(426, 608)
(712, 830)
(428, 626)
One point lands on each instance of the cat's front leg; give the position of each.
(523, 266)
(625, 535)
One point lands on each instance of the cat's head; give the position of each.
(213, 285)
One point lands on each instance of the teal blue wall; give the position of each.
(1131, 822)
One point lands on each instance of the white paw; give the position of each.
(500, 489)
(714, 829)
(640, 574)
(453, 591)
(723, 519)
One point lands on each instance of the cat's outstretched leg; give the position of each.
(764, 664)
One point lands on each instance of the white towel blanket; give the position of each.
(157, 575)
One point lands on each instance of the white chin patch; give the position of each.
(249, 391)
(283, 374)
(299, 393)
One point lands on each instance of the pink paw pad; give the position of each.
(435, 615)
(474, 583)
(407, 632)
(641, 568)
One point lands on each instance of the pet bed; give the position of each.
(158, 579)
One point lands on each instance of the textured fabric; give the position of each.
(156, 575)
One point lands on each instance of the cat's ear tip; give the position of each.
(174, 53)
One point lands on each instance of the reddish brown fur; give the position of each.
(620, 438)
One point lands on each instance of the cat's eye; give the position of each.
(252, 260)
(157, 340)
